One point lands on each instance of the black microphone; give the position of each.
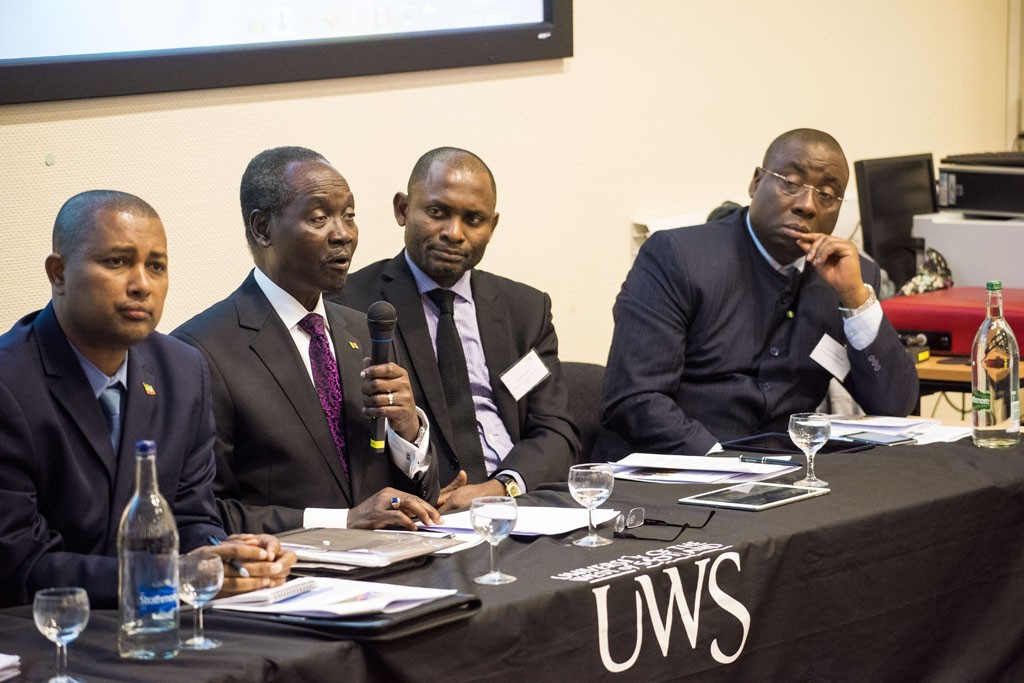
(380, 319)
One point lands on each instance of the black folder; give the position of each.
(380, 626)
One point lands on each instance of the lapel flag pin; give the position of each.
(354, 345)
(150, 391)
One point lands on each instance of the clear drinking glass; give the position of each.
(590, 485)
(494, 517)
(60, 615)
(200, 577)
(810, 431)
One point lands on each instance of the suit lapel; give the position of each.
(273, 345)
(399, 287)
(70, 388)
(492, 317)
(350, 364)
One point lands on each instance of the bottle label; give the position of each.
(981, 400)
(157, 600)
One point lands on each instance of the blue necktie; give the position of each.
(110, 404)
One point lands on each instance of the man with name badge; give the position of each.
(481, 349)
(725, 329)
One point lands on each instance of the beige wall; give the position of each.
(665, 108)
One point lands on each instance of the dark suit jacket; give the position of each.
(62, 487)
(703, 350)
(275, 454)
(513, 319)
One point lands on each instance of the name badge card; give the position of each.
(525, 374)
(831, 355)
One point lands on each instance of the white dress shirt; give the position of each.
(411, 458)
(494, 437)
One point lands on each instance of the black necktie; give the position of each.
(451, 361)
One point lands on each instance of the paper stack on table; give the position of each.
(342, 597)
(695, 469)
(923, 430)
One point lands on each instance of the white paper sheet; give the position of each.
(922, 429)
(536, 521)
(10, 666)
(695, 469)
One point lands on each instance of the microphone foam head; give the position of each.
(381, 317)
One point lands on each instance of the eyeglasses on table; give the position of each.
(637, 518)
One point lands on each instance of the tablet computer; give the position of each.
(880, 439)
(753, 496)
(778, 442)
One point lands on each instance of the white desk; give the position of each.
(976, 249)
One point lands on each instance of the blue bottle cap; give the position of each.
(145, 448)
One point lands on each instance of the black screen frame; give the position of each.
(886, 223)
(82, 77)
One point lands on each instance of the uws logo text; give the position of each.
(662, 614)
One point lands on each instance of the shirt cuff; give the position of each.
(862, 328)
(717, 448)
(411, 458)
(514, 475)
(325, 518)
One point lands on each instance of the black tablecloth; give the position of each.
(911, 569)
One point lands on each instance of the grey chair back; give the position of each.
(584, 381)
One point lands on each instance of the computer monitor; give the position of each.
(891, 191)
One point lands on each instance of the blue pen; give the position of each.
(234, 564)
(770, 461)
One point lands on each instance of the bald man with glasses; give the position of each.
(725, 329)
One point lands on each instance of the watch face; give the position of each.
(512, 487)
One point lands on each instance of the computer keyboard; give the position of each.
(1014, 158)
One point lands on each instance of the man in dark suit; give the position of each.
(66, 472)
(725, 329)
(292, 400)
(516, 434)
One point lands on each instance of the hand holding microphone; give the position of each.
(386, 389)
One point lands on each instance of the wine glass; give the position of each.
(810, 431)
(493, 517)
(200, 577)
(590, 485)
(60, 615)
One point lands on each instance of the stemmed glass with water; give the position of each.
(810, 431)
(590, 485)
(494, 517)
(60, 615)
(200, 578)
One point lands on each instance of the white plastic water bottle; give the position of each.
(995, 378)
(147, 557)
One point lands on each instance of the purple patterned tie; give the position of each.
(325, 378)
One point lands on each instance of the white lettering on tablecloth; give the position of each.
(630, 564)
(677, 601)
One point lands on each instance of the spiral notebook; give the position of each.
(271, 596)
